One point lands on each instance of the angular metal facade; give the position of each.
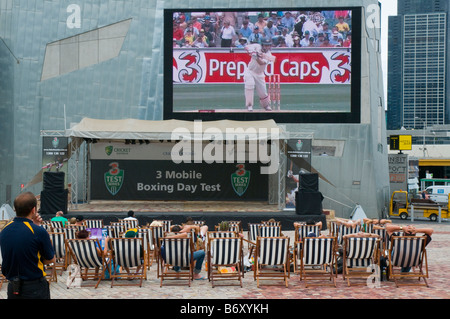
(41, 92)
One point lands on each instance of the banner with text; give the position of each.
(315, 66)
(55, 154)
(165, 180)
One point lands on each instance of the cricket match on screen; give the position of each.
(262, 62)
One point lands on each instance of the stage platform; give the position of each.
(212, 212)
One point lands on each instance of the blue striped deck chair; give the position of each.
(220, 234)
(115, 229)
(317, 260)
(94, 223)
(177, 252)
(270, 231)
(84, 253)
(225, 252)
(270, 252)
(346, 230)
(77, 227)
(58, 240)
(146, 234)
(384, 242)
(302, 231)
(57, 224)
(215, 234)
(334, 228)
(70, 233)
(253, 233)
(166, 224)
(130, 254)
(360, 258)
(47, 226)
(408, 251)
(129, 223)
(271, 223)
(157, 233)
(234, 226)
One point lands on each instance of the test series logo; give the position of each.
(114, 178)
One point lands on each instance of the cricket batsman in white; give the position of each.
(254, 77)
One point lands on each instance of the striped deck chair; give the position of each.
(345, 230)
(334, 228)
(270, 223)
(56, 224)
(143, 234)
(234, 226)
(130, 254)
(166, 224)
(270, 231)
(405, 252)
(94, 223)
(146, 234)
(225, 252)
(157, 233)
(77, 227)
(70, 232)
(384, 242)
(115, 229)
(360, 258)
(130, 223)
(84, 253)
(176, 252)
(317, 259)
(302, 231)
(272, 251)
(253, 233)
(58, 240)
(210, 235)
(47, 226)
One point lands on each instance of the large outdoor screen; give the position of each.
(292, 65)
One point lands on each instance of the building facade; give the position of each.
(418, 69)
(61, 61)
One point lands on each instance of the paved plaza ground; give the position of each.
(439, 279)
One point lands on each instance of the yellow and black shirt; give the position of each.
(23, 244)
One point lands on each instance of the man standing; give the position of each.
(254, 77)
(26, 248)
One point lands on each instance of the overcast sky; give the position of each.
(388, 8)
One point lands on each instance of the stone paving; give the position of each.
(439, 275)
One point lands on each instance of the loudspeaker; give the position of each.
(308, 182)
(308, 203)
(53, 181)
(53, 201)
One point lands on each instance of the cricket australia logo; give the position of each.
(240, 179)
(114, 178)
(108, 149)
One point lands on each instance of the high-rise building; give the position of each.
(418, 68)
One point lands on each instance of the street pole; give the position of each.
(423, 128)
